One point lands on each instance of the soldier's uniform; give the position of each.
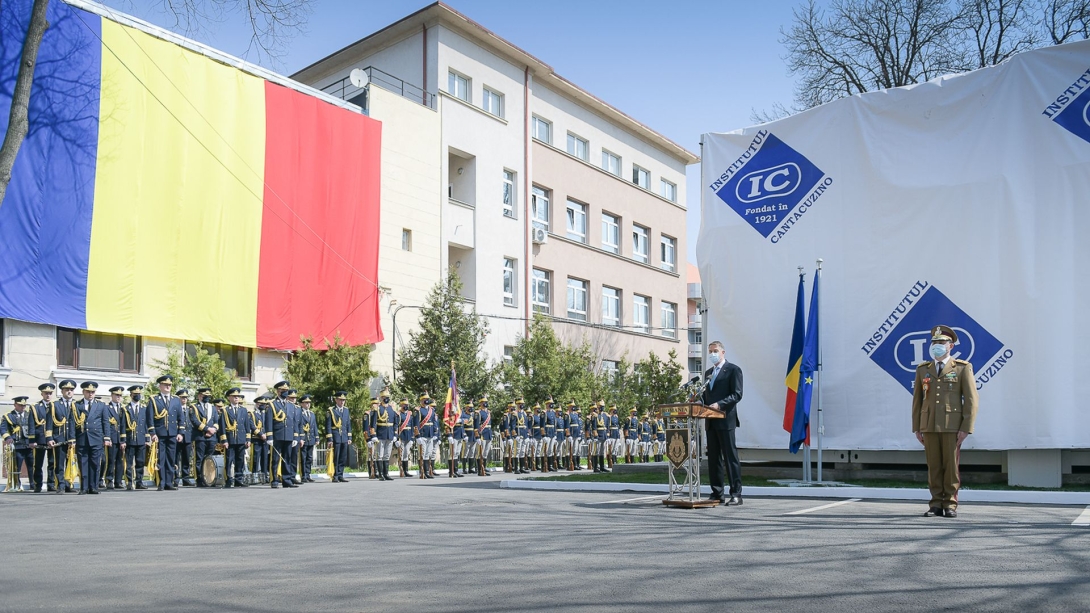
(599, 429)
(405, 432)
(523, 437)
(631, 436)
(38, 414)
(310, 437)
(91, 427)
(658, 430)
(944, 403)
(17, 430)
(471, 439)
(235, 430)
(482, 425)
(549, 430)
(574, 435)
(260, 445)
(645, 439)
(338, 428)
(616, 445)
(427, 436)
(370, 441)
(164, 419)
(134, 439)
(384, 430)
(59, 429)
(507, 438)
(204, 423)
(183, 453)
(113, 456)
(456, 437)
(281, 426)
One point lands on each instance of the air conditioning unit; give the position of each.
(539, 236)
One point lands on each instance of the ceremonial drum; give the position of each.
(212, 471)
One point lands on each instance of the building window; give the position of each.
(611, 306)
(694, 366)
(238, 359)
(539, 204)
(541, 292)
(509, 282)
(611, 163)
(406, 239)
(668, 190)
(641, 313)
(611, 233)
(509, 200)
(542, 130)
(668, 253)
(84, 350)
(641, 177)
(639, 243)
(492, 102)
(577, 221)
(577, 299)
(695, 336)
(578, 147)
(508, 353)
(458, 86)
(669, 319)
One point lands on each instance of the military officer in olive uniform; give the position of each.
(17, 431)
(338, 433)
(944, 404)
(310, 437)
(91, 426)
(134, 439)
(235, 430)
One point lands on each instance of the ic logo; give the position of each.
(779, 180)
(1075, 118)
(1086, 113)
(902, 342)
(770, 185)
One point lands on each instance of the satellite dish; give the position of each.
(358, 77)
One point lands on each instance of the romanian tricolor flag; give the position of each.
(451, 410)
(794, 360)
(164, 193)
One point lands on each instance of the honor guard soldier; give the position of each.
(427, 435)
(371, 442)
(260, 445)
(405, 438)
(17, 431)
(384, 402)
(482, 425)
(204, 423)
(456, 435)
(338, 428)
(944, 405)
(645, 439)
(384, 430)
(134, 439)
(616, 445)
(92, 426)
(631, 436)
(574, 435)
(465, 420)
(601, 423)
(61, 435)
(549, 435)
(39, 414)
(658, 430)
(164, 417)
(280, 426)
(523, 438)
(536, 420)
(113, 456)
(507, 438)
(235, 430)
(310, 437)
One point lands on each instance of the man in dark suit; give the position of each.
(92, 432)
(723, 392)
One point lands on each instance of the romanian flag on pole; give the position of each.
(162, 192)
(794, 361)
(451, 411)
(800, 424)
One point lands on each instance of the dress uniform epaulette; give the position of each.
(924, 365)
(957, 361)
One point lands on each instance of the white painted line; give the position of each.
(824, 506)
(1083, 519)
(628, 500)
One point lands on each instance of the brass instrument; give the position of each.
(9, 468)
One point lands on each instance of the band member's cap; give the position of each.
(549, 400)
(424, 396)
(341, 394)
(283, 385)
(136, 389)
(89, 385)
(943, 334)
(46, 387)
(19, 399)
(182, 393)
(571, 403)
(293, 393)
(117, 389)
(219, 402)
(537, 406)
(165, 379)
(305, 398)
(67, 384)
(520, 401)
(234, 391)
(374, 402)
(510, 406)
(483, 401)
(404, 402)
(632, 411)
(385, 393)
(204, 390)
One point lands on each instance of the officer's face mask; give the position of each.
(938, 350)
(713, 358)
(485, 405)
(284, 394)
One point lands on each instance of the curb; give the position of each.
(872, 493)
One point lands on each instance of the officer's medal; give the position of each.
(926, 383)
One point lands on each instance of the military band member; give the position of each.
(235, 430)
(17, 431)
(616, 446)
(310, 437)
(60, 435)
(508, 438)
(523, 438)
(183, 474)
(297, 450)
(113, 456)
(338, 428)
(427, 435)
(134, 439)
(165, 425)
(260, 445)
(384, 430)
(405, 436)
(91, 427)
(944, 405)
(280, 425)
(658, 429)
(204, 423)
(38, 414)
(482, 425)
(371, 441)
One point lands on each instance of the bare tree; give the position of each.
(997, 29)
(1066, 20)
(272, 22)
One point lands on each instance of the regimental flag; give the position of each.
(451, 411)
(800, 426)
(794, 360)
(162, 193)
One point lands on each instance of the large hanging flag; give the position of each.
(451, 411)
(800, 426)
(163, 193)
(794, 359)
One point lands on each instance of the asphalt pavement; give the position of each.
(467, 545)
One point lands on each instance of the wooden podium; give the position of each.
(683, 451)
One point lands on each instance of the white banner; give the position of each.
(963, 201)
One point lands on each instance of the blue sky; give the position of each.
(684, 67)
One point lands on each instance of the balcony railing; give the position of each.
(345, 90)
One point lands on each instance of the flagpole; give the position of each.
(821, 425)
(805, 446)
(702, 309)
